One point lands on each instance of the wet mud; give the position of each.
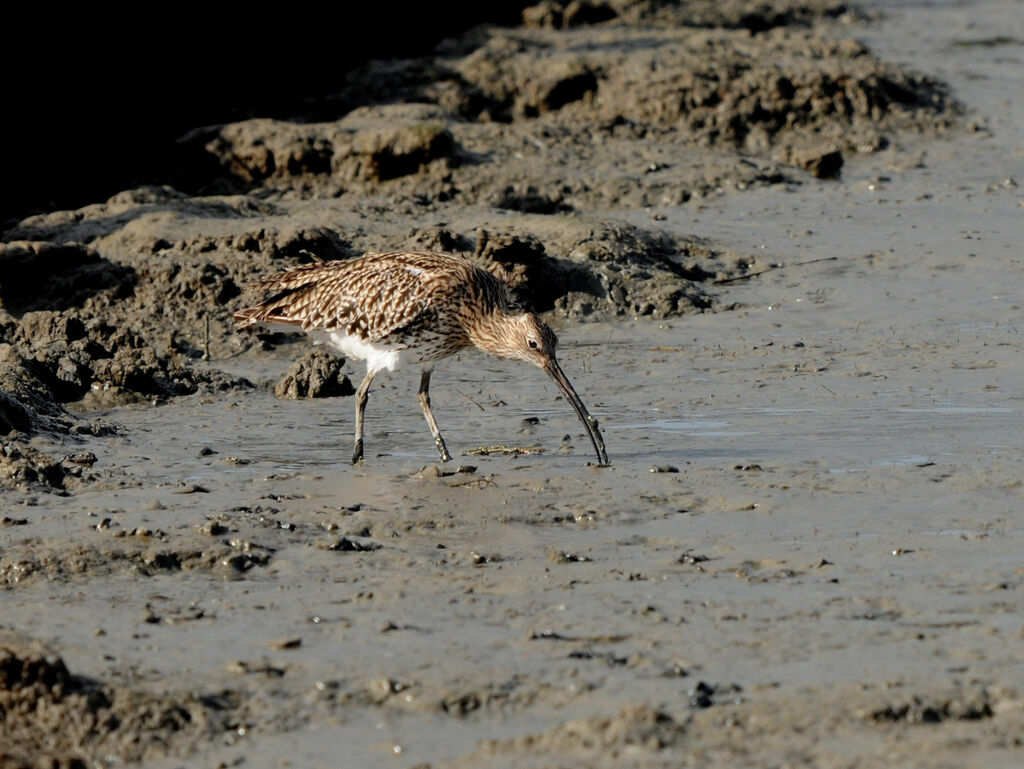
(780, 245)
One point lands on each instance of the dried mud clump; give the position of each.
(27, 407)
(75, 330)
(742, 14)
(634, 730)
(52, 358)
(564, 15)
(51, 717)
(536, 279)
(68, 337)
(608, 269)
(619, 97)
(708, 88)
(49, 359)
(99, 364)
(26, 404)
(317, 375)
(822, 164)
(588, 103)
(22, 465)
(730, 14)
(366, 146)
(964, 706)
(594, 268)
(510, 78)
(143, 554)
(56, 276)
(14, 416)
(187, 261)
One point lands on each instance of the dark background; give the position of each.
(92, 104)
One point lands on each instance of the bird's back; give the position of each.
(400, 299)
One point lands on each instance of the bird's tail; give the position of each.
(278, 309)
(248, 319)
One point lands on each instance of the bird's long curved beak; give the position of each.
(555, 372)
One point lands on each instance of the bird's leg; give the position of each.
(424, 399)
(362, 395)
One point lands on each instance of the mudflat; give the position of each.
(781, 249)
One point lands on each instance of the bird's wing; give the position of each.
(374, 296)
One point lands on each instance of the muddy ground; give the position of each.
(781, 245)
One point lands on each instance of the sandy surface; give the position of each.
(806, 552)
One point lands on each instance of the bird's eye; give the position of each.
(533, 344)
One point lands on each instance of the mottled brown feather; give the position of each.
(383, 297)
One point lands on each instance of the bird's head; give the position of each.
(530, 339)
(526, 337)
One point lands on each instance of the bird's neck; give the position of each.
(490, 332)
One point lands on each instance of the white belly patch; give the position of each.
(377, 358)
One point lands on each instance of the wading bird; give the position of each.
(386, 308)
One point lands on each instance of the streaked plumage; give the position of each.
(384, 308)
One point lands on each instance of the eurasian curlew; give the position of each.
(384, 308)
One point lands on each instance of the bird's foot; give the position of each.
(357, 453)
(443, 451)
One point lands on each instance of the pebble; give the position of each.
(212, 528)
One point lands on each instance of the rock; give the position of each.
(823, 164)
(82, 458)
(212, 528)
(317, 375)
(351, 545)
